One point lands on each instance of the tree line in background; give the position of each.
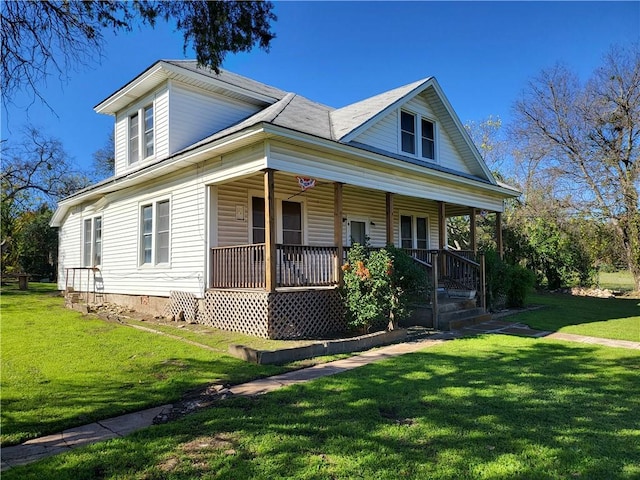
(572, 147)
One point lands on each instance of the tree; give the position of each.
(40, 38)
(104, 159)
(36, 172)
(585, 138)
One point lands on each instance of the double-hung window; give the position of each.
(414, 127)
(408, 132)
(141, 134)
(289, 219)
(414, 232)
(155, 233)
(92, 242)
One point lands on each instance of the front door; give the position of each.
(357, 232)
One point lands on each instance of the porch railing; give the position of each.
(302, 265)
(243, 266)
(240, 266)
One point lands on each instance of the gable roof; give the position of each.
(351, 118)
(187, 71)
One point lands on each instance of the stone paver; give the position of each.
(39, 448)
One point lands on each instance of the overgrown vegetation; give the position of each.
(507, 285)
(379, 285)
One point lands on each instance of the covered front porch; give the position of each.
(293, 285)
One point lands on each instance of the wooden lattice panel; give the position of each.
(279, 315)
(237, 311)
(182, 305)
(305, 314)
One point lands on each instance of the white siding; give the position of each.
(418, 208)
(367, 205)
(384, 135)
(317, 209)
(121, 267)
(160, 100)
(196, 115)
(187, 191)
(410, 181)
(358, 203)
(70, 244)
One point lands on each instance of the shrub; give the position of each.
(378, 285)
(507, 285)
(520, 283)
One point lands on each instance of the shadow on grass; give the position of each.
(489, 407)
(96, 396)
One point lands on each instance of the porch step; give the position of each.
(453, 314)
(462, 318)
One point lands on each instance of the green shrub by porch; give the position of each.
(378, 285)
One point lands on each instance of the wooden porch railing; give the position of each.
(240, 266)
(243, 266)
(302, 265)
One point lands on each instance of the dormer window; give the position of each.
(141, 134)
(409, 134)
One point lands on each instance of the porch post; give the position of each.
(472, 232)
(499, 234)
(337, 230)
(389, 206)
(442, 225)
(269, 230)
(442, 235)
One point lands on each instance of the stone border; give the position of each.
(318, 349)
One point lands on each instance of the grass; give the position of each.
(622, 281)
(614, 318)
(491, 407)
(62, 369)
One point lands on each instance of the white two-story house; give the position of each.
(233, 201)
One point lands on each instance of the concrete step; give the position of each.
(465, 320)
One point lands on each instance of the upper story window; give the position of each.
(408, 132)
(141, 134)
(409, 135)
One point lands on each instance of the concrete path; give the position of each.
(38, 448)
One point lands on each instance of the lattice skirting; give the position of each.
(182, 305)
(278, 315)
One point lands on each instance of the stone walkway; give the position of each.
(38, 448)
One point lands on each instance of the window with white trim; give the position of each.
(414, 232)
(155, 222)
(414, 127)
(141, 134)
(92, 242)
(289, 219)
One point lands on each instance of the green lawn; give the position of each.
(62, 369)
(622, 281)
(615, 318)
(491, 407)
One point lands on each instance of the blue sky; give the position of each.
(336, 53)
